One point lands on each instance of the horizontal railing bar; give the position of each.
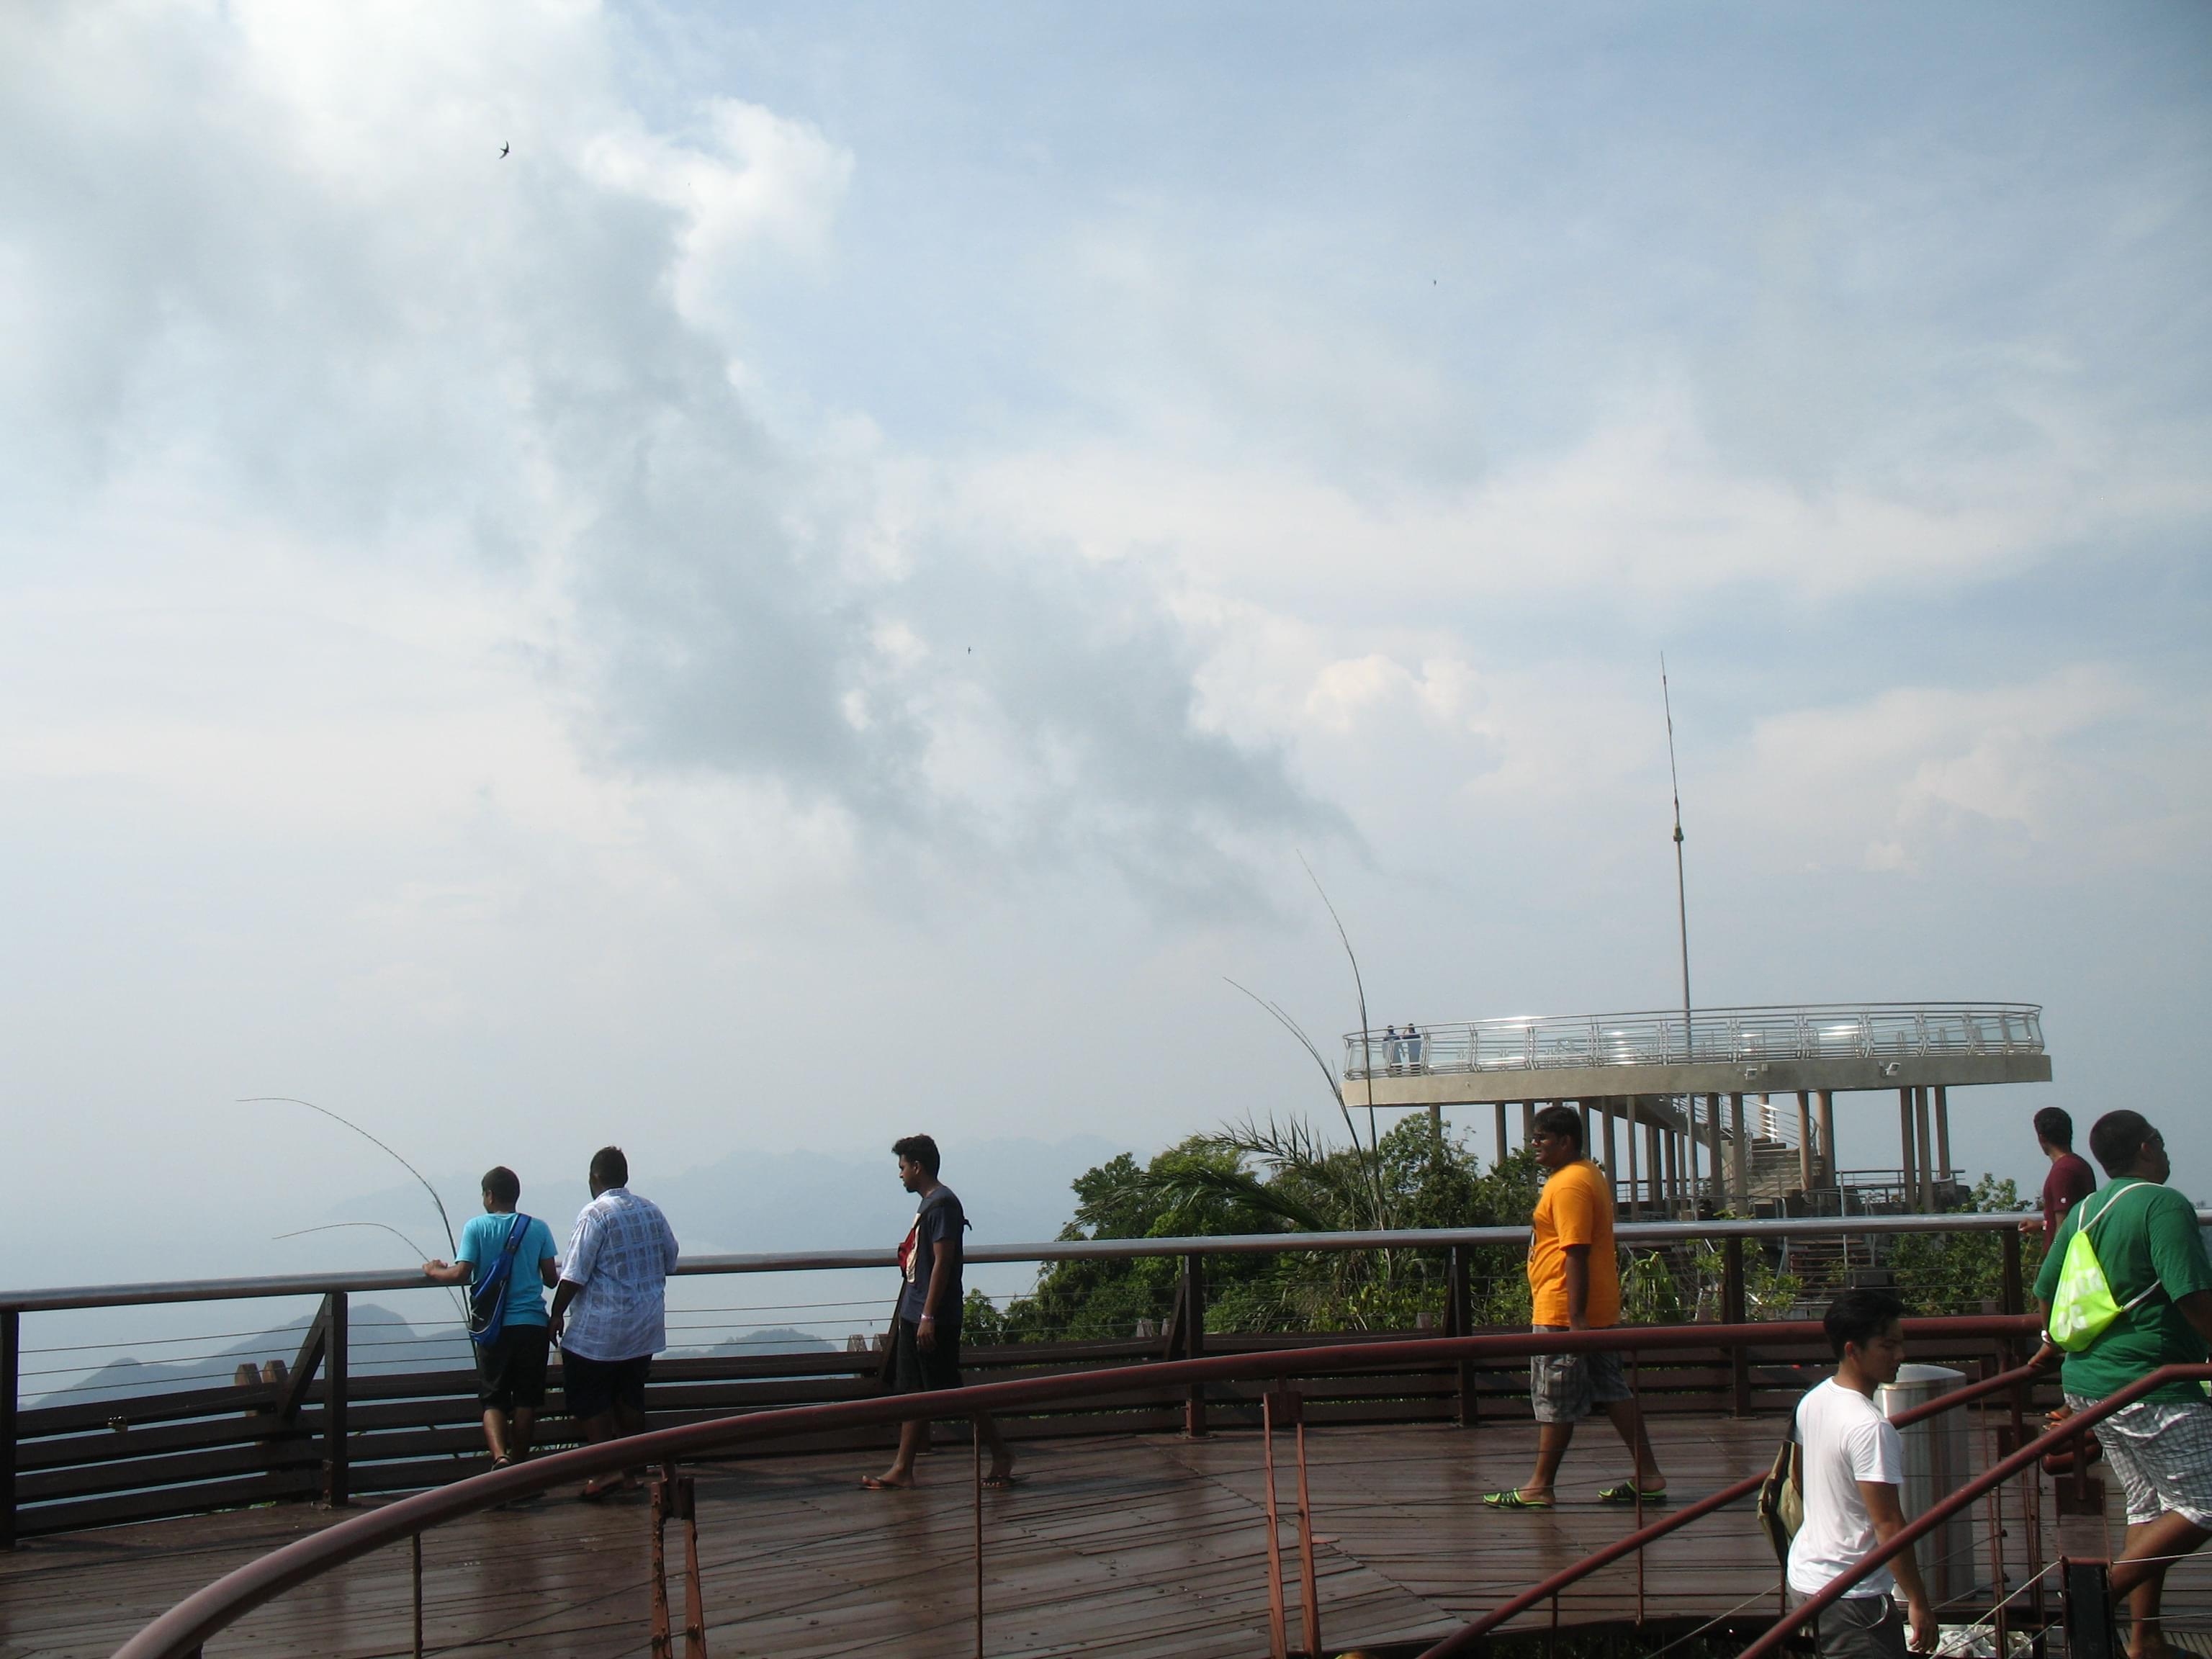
(1088, 1249)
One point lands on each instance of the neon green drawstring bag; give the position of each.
(2083, 1308)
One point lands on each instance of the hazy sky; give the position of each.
(824, 593)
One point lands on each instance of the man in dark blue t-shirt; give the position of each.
(926, 1337)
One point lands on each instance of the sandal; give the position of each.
(1627, 1495)
(1511, 1499)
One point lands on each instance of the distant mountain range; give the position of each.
(380, 1341)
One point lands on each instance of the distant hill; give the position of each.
(380, 1341)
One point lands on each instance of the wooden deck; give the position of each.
(1127, 1545)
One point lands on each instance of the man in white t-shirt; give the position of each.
(1852, 1465)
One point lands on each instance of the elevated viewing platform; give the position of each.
(1838, 1047)
(1701, 1086)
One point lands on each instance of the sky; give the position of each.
(746, 582)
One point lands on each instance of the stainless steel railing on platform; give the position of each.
(1729, 1035)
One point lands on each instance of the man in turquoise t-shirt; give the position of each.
(511, 1367)
(2147, 1241)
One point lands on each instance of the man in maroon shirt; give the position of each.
(2070, 1180)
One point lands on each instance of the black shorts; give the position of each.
(917, 1369)
(596, 1387)
(511, 1370)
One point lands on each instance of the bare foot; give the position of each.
(1001, 1476)
(886, 1482)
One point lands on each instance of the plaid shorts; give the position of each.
(1565, 1387)
(2161, 1450)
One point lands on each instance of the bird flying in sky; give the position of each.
(503, 149)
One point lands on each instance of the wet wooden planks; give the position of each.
(1122, 1546)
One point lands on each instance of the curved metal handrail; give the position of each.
(1781, 1031)
(1995, 1475)
(1464, 1638)
(181, 1631)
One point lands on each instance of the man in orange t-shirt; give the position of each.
(1574, 1283)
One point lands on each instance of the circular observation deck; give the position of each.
(1826, 1047)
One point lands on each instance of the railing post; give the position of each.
(1733, 1311)
(1194, 1338)
(336, 1492)
(2013, 1289)
(11, 1364)
(1458, 1320)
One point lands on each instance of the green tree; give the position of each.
(1284, 1178)
(1957, 1272)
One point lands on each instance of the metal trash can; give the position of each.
(1935, 1467)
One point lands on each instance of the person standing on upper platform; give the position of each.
(2070, 1180)
(1574, 1283)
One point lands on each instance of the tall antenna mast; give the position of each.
(1681, 901)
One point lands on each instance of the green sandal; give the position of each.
(1626, 1495)
(1511, 1499)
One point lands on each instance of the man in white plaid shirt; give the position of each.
(610, 1310)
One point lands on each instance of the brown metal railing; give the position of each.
(329, 1428)
(1464, 1640)
(2020, 1461)
(181, 1631)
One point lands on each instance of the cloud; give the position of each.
(335, 300)
(2068, 772)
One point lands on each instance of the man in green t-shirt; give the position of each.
(2147, 1242)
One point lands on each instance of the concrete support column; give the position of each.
(1739, 1164)
(1943, 1131)
(1910, 1178)
(1927, 1146)
(1501, 1131)
(1589, 1147)
(1804, 1141)
(1635, 1203)
(1665, 1159)
(1830, 1171)
(1437, 1123)
(1612, 1168)
(1717, 1186)
(1527, 1121)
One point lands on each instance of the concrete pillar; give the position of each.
(1501, 1130)
(1437, 1123)
(1717, 1186)
(1943, 1131)
(1666, 1159)
(1830, 1171)
(1926, 1140)
(1589, 1148)
(1635, 1204)
(1804, 1141)
(1527, 1121)
(1910, 1177)
(1740, 1164)
(1612, 1169)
